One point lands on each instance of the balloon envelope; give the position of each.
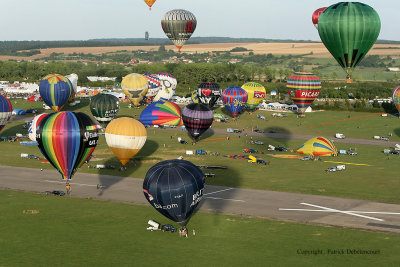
(256, 93)
(303, 88)
(34, 124)
(195, 97)
(396, 97)
(154, 85)
(5, 111)
(349, 30)
(150, 3)
(135, 87)
(125, 137)
(197, 119)
(315, 16)
(234, 99)
(209, 93)
(67, 139)
(318, 146)
(55, 91)
(104, 107)
(160, 113)
(178, 25)
(174, 188)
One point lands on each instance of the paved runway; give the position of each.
(352, 213)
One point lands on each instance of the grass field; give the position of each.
(83, 232)
(357, 181)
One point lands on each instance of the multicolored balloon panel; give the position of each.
(5, 111)
(396, 97)
(67, 139)
(34, 124)
(55, 90)
(318, 146)
(197, 119)
(349, 30)
(160, 113)
(154, 85)
(168, 86)
(178, 25)
(303, 88)
(209, 93)
(256, 93)
(174, 188)
(234, 99)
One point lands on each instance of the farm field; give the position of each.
(102, 233)
(364, 173)
(318, 49)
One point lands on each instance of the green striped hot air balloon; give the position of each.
(104, 107)
(349, 30)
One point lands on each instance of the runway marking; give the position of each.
(218, 191)
(58, 182)
(339, 162)
(238, 200)
(325, 209)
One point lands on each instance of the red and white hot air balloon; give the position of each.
(316, 14)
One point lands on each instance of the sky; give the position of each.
(92, 19)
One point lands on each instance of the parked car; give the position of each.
(209, 175)
(33, 157)
(384, 138)
(261, 161)
(258, 131)
(55, 192)
(280, 148)
(352, 152)
(306, 158)
(249, 150)
(395, 152)
(168, 228)
(331, 169)
(258, 142)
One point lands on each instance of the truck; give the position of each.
(377, 137)
(340, 136)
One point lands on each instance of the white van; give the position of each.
(340, 136)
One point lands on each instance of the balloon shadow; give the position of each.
(83, 102)
(397, 132)
(113, 171)
(282, 135)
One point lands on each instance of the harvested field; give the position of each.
(318, 49)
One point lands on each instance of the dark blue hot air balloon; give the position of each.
(234, 99)
(174, 188)
(55, 91)
(197, 118)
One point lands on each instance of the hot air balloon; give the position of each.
(104, 107)
(303, 88)
(318, 146)
(150, 3)
(396, 98)
(256, 93)
(160, 113)
(55, 91)
(154, 85)
(34, 124)
(209, 93)
(125, 137)
(73, 78)
(135, 87)
(174, 188)
(168, 85)
(315, 16)
(234, 99)
(178, 25)
(349, 30)
(195, 97)
(5, 111)
(197, 118)
(67, 139)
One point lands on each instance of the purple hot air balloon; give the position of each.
(197, 118)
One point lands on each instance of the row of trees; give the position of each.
(189, 76)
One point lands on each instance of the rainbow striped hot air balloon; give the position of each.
(303, 88)
(318, 146)
(67, 139)
(55, 90)
(125, 137)
(234, 99)
(160, 113)
(5, 111)
(396, 97)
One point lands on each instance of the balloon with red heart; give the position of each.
(209, 93)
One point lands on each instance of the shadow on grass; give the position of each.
(397, 132)
(108, 177)
(83, 103)
(282, 135)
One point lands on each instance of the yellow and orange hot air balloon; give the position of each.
(318, 146)
(150, 3)
(135, 87)
(125, 137)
